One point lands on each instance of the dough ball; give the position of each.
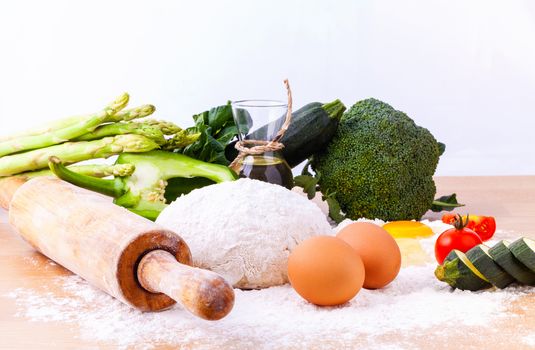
(244, 229)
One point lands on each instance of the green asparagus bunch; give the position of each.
(108, 132)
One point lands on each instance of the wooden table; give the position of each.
(510, 199)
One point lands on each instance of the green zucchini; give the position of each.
(501, 254)
(460, 273)
(480, 257)
(311, 129)
(524, 250)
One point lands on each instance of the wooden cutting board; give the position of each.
(510, 199)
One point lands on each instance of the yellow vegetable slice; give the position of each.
(408, 229)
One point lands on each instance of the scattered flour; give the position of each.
(274, 318)
(529, 340)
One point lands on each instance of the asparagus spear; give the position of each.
(114, 129)
(42, 129)
(153, 129)
(72, 152)
(53, 137)
(128, 114)
(167, 128)
(95, 170)
(180, 140)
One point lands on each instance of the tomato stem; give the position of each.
(459, 223)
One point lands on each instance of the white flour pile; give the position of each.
(276, 317)
(245, 229)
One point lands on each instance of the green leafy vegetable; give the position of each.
(308, 183)
(446, 203)
(335, 212)
(216, 128)
(310, 186)
(441, 148)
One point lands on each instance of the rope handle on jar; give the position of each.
(255, 147)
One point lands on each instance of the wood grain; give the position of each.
(510, 199)
(203, 293)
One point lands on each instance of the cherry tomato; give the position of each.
(460, 238)
(449, 218)
(484, 226)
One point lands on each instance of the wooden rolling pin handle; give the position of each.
(203, 293)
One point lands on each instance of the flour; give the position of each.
(529, 340)
(245, 229)
(275, 318)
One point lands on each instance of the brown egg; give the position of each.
(325, 270)
(378, 250)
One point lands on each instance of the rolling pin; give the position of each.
(129, 257)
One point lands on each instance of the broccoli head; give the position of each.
(379, 164)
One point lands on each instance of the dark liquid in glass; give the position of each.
(267, 168)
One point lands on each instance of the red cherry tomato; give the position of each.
(449, 218)
(460, 238)
(484, 226)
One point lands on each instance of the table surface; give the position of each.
(510, 199)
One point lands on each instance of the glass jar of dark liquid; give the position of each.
(261, 120)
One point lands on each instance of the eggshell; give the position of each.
(378, 250)
(325, 270)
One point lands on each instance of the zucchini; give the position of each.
(311, 129)
(501, 254)
(480, 257)
(524, 250)
(460, 273)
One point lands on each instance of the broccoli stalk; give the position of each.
(144, 191)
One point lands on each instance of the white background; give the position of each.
(463, 69)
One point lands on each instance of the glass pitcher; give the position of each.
(258, 122)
